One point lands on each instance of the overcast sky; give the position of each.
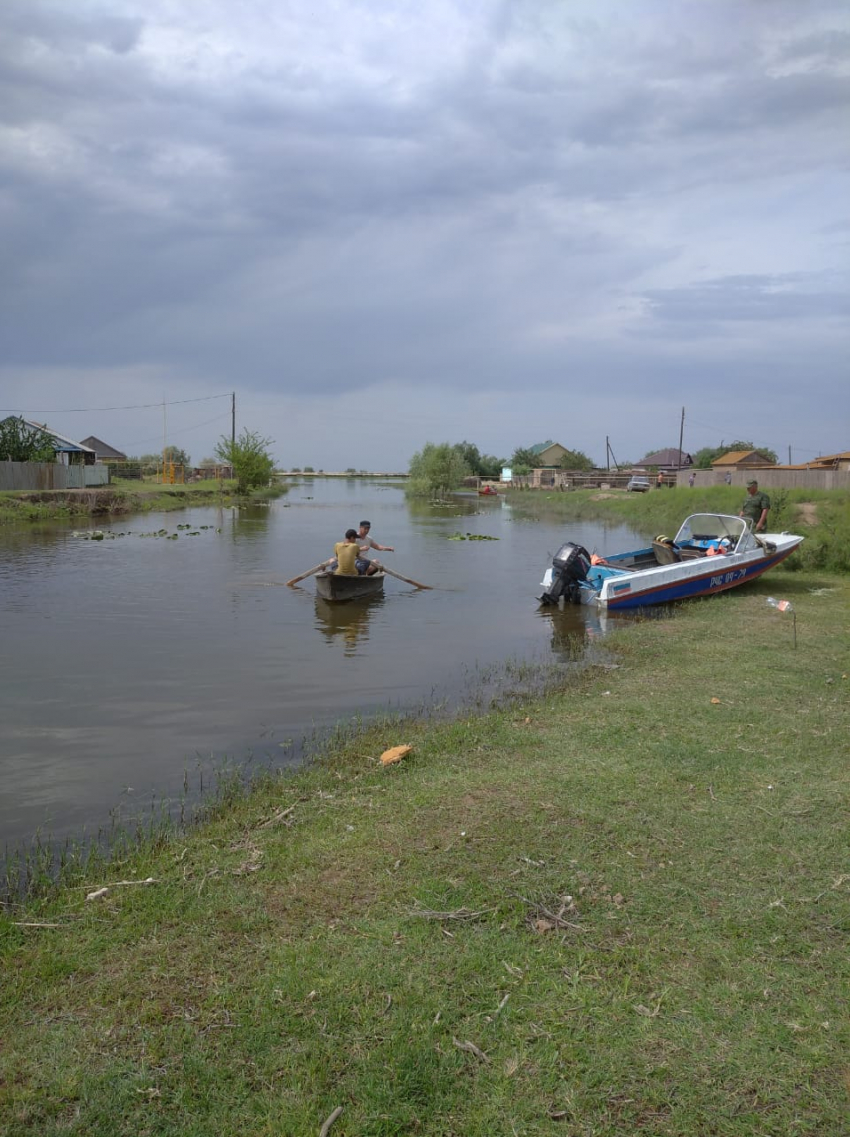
(388, 222)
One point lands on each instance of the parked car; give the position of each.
(639, 485)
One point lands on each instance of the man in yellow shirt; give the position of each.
(346, 553)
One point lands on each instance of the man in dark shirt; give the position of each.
(756, 505)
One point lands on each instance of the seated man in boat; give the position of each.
(345, 560)
(366, 543)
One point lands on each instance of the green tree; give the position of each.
(483, 465)
(176, 455)
(491, 466)
(576, 460)
(471, 455)
(20, 442)
(703, 458)
(436, 470)
(523, 460)
(248, 455)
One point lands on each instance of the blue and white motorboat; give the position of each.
(712, 552)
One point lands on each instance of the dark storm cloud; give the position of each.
(548, 189)
(706, 307)
(63, 28)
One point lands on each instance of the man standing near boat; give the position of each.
(755, 507)
(366, 543)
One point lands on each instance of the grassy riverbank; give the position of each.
(119, 499)
(821, 516)
(621, 908)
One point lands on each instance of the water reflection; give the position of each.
(457, 507)
(575, 625)
(571, 627)
(348, 623)
(250, 521)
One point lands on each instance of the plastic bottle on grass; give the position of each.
(782, 605)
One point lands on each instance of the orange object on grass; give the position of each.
(395, 754)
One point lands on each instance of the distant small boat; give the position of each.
(336, 586)
(488, 491)
(712, 552)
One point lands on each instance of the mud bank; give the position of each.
(107, 501)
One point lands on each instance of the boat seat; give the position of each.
(691, 554)
(666, 552)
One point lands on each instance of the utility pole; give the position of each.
(607, 455)
(233, 420)
(789, 455)
(681, 436)
(164, 438)
(610, 452)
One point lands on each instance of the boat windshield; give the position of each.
(711, 527)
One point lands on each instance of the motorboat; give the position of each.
(712, 552)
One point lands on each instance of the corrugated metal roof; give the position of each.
(67, 445)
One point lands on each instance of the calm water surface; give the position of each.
(127, 662)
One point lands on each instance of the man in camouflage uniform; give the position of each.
(756, 505)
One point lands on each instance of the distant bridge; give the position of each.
(339, 474)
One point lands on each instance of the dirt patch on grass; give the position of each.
(807, 513)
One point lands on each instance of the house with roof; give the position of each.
(830, 462)
(73, 465)
(103, 451)
(741, 460)
(65, 450)
(548, 453)
(669, 459)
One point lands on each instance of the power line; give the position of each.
(93, 410)
(730, 433)
(178, 433)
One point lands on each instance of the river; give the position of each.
(130, 664)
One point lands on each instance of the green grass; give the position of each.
(821, 516)
(121, 498)
(630, 894)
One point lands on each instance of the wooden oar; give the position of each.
(398, 576)
(304, 575)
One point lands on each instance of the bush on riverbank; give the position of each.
(603, 908)
(821, 516)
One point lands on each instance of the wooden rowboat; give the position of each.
(335, 586)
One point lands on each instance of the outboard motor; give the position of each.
(569, 567)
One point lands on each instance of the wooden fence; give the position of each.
(767, 479)
(50, 476)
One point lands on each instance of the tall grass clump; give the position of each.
(827, 544)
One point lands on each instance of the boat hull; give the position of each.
(711, 552)
(336, 587)
(685, 581)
